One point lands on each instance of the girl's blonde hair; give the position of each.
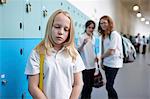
(45, 46)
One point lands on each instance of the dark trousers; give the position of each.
(110, 77)
(144, 49)
(138, 47)
(88, 78)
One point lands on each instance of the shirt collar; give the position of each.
(55, 51)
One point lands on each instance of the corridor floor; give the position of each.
(132, 81)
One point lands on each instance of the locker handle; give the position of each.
(61, 3)
(39, 28)
(45, 12)
(28, 7)
(21, 51)
(4, 82)
(23, 96)
(20, 25)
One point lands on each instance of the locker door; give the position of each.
(11, 68)
(0, 69)
(11, 17)
(45, 6)
(32, 19)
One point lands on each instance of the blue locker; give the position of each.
(0, 69)
(12, 67)
(13, 60)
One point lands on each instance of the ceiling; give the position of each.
(144, 6)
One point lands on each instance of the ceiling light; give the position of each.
(142, 19)
(138, 14)
(136, 8)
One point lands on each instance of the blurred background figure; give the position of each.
(144, 42)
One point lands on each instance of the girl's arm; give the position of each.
(77, 86)
(34, 89)
(108, 53)
(82, 45)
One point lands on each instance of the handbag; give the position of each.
(98, 79)
(41, 71)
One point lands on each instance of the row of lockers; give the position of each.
(21, 29)
(28, 18)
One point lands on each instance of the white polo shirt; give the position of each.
(58, 72)
(88, 53)
(113, 42)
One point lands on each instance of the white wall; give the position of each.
(95, 8)
(142, 28)
(138, 26)
(125, 21)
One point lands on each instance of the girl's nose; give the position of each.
(61, 31)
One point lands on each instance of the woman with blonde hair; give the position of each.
(62, 63)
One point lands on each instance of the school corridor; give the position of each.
(132, 81)
(23, 26)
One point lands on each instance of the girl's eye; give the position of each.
(59, 27)
(66, 29)
(91, 27)
(56, 26)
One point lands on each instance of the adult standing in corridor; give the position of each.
(112, 53)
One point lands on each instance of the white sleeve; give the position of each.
(32, 66)
(79, 65)
(114, 40)
(80, 41)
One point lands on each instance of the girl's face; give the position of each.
(90, 29)
(60, 29)
(104, 24)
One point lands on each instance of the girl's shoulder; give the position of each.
(34, 53)
(115, 33)
(82, 34)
